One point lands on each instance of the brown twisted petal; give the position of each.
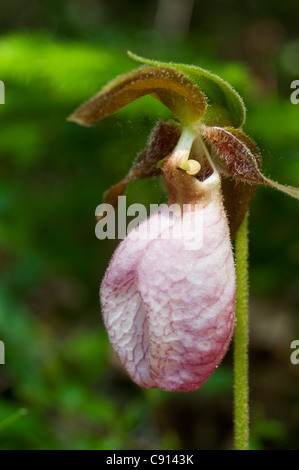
(168, 85)
(162, 141)
(248, 142)
(232, 156)
(237, 194)
(237, 158)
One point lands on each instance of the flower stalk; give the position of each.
(170, 311)
(241, 402)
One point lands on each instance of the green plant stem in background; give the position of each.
(241, 404)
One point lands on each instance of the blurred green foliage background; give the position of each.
(61, 386)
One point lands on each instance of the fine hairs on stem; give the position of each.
(241, 403)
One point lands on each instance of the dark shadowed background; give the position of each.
(61, 386)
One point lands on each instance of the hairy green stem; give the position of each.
(241, 404)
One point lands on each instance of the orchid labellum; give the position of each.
(168, 296)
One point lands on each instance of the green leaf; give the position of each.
(225, 106)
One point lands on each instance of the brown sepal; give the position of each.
(168, 85)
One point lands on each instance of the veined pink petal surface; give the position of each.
(168, 299)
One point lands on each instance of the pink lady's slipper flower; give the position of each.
(168, 295)
(169, 300)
